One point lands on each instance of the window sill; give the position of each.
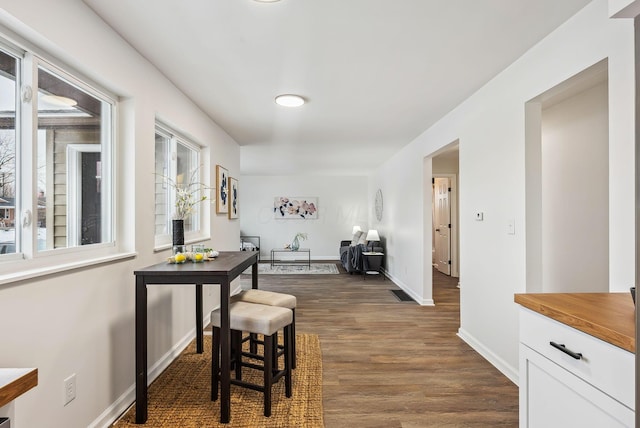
(163, 247)
(7, 278)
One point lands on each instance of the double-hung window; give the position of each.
(56, 162)
(177, 163)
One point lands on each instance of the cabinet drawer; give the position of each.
(606, 367)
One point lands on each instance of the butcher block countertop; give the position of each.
(607, 316)
(15, 382)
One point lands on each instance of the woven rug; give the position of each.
(181, 397)
(299, 269)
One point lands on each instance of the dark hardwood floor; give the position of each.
(396, 364)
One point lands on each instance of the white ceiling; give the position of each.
(375, 73)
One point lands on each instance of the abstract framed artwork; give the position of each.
(233, 198)
(222, 190)
(298, 207)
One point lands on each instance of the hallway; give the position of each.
(396, 364)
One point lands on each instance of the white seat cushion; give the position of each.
(263, 297)
(255, 318)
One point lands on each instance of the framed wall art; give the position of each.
(222, 190)
(233, 198)
(298, 207)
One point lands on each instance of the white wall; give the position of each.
(82, 321)
(490, 127)
(342, 204)
(575, 193)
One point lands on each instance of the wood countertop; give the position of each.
(15, 382)
(607, 316)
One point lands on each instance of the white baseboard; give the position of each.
(122, 403)
(406, 289)
(506, 369)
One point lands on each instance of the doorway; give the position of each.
(442, 225)
(445, 236)
(567, 185)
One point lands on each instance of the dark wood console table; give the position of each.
(226, 267)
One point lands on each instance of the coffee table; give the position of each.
(283, 262)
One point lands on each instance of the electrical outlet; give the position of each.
(69, 389)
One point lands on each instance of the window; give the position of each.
(176, 159)
(74, 143)
(56, 140)
(8, 150)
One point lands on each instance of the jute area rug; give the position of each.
(298, 269)
(180, 397)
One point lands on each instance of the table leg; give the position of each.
(225, 354)
(141, 350)
(199, 320)
(254, 275)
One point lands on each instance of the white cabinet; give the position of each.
(594, 387)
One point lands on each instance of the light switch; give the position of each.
(479, 216)
(511, 226)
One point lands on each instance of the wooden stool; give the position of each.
(271, 298)
(258, 319)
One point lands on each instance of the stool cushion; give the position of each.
(255, 318)
(264, 297)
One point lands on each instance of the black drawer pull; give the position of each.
(576, 355)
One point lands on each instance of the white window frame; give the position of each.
(28, 262)
(200, 218)
(107, 147)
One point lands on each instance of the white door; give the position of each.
(442, 223)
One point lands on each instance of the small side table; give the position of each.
(373, 264)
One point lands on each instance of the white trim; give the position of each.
(24, 274)
(409, 291)
(126, 400)
(510, 372)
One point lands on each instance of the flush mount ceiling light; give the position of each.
(267, 1)
(59, 100)
(289, 100)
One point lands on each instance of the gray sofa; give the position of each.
(351, 253)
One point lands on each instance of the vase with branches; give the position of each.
(187, 197)
(295, 244)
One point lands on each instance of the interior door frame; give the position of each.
(453, 237)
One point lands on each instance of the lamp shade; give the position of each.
(372, 235)
(355, 230)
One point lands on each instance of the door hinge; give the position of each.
(449, 261)
(449, 225)
(449, 189)
(433, 180)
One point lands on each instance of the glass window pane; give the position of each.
(8, 71)
(162, 214)
(185, 170)
(73, 136)
(176, 164)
